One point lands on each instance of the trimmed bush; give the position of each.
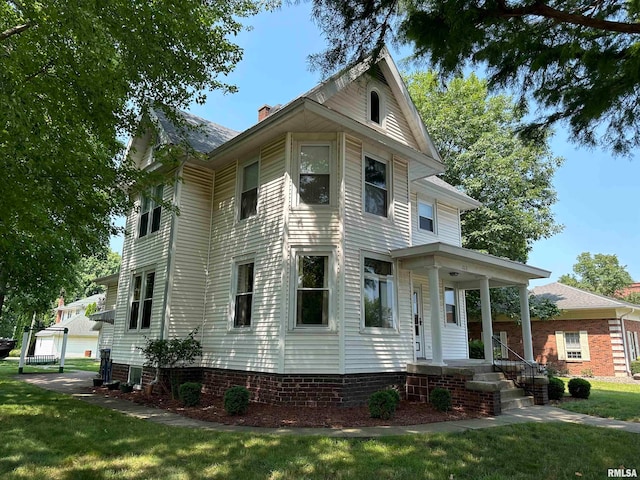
(236, 400)
(395, 394)
(476, 349)
(579, 388)
(441, 399)
(555, 388)
(190, 393)
(635, 366)
(382, 404)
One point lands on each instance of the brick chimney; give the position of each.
(59, 312)
(263, 112)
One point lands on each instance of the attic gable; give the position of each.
(348, 92)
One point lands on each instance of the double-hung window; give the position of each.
(573, 346)
(314, 183)
(243, 295)
(312, 290)
(426, 218)
(378, 294)
(451, 311)
(249, 190)
(151, 211)
(376, 187)
(141, 300)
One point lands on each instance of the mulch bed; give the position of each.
(273, 416)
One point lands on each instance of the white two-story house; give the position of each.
(317, 253)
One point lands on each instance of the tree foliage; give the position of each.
(73, 79)
(578, 59)
(476, 136)
(102, 264)
(600, 273)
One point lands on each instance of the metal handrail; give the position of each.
(525, 371)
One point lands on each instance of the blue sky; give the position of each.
(597, 193)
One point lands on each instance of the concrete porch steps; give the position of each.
(510, 395)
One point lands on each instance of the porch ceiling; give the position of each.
(464, 267)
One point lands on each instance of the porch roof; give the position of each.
(465, 267)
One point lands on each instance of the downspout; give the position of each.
(625, 346)
(170, 254)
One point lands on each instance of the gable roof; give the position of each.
(201, 134)
(78, 325)
(572, 298)
(83, 302)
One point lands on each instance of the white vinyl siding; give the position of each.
(352, 101)
(141, 254)
(189, 280)
(447, 223)
(454, 336)
(364, 235)
(260, 235)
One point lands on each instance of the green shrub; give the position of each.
(382, 404)
(441, 399)
(236, 400)
(476, 349)
(190, 393)
(579, 388)
(16, 353)
(635, 366)
(395, 394)
(555, 388)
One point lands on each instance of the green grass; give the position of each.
(620, 401)
(44, 435)
(87, 364)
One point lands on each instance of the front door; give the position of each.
(417, 322)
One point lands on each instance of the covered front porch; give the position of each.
(449, 268)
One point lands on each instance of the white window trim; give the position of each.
(129, 376)
(395, 329)
(456, 299)
(235, 263)
(372, 87)
(143, 272)
(150, 193)
(562, 346)
(240, 166)
(434, 207)
(332, 271)
(389, 164)
(333, 173)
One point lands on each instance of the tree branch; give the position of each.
(14, 31)
(542, 10)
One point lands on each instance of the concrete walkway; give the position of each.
(77, 383)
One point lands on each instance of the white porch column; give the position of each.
(436, 323)
(526, 323)
(487, 327)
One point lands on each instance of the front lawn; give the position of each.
(45, 435)
(609, 400)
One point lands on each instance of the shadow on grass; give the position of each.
(53, 436)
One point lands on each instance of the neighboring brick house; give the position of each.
(594, 334)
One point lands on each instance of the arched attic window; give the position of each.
(374, 106)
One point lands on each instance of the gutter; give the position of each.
(625, 346)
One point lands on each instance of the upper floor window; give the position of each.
(376, 187)
(151, 211)
(249, 190)
(314, 186)
(451, 312)
(426, 219)
(375, 106)
(312, 291)
(243, 295)
(378, 293)
(141, 300)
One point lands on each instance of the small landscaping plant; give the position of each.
(555, 388)
(190, 393)
(382, 404)
(635, 366)
(579, 388)
(440, 398)
(396, 395)
(236, 400)
(476, 349)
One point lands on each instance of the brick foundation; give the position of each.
(419, 387)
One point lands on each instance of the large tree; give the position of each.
(600, 273)
(476, 135)
(578, 59)
(73, 79)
